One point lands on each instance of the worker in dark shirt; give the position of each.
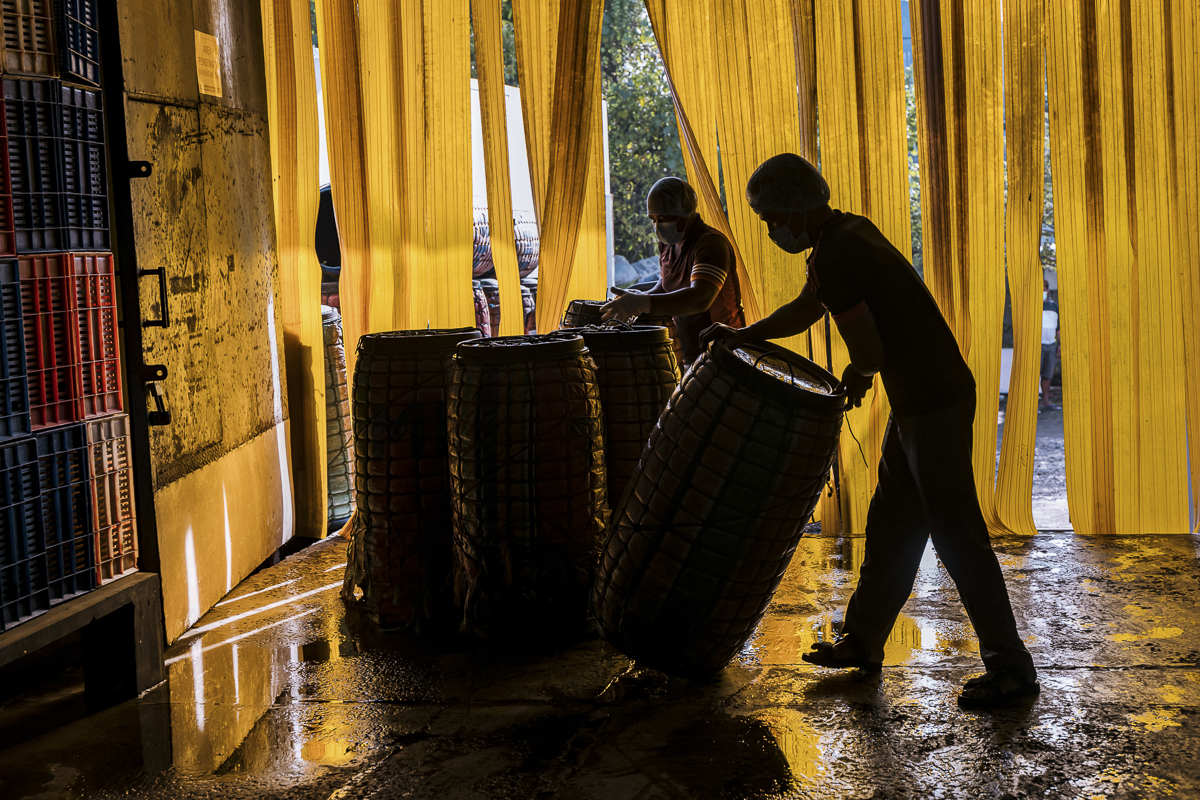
(698, 283)
(892, 326)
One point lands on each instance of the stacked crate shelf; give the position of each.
(66, 502)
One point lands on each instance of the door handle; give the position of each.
(164, 310)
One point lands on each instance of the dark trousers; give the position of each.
(926, 488)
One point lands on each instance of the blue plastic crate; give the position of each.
(83, 168)
(31, 111)
(67, 528)
(78, 40)
(24, 578)
(14, 382)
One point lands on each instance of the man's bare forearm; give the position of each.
(789, 319)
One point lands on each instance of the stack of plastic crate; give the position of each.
(67, 500)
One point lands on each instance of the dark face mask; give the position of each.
(789, 242)
(668, 233)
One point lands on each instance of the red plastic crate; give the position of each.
(99, 350)
(51, 339)
(72, 350)
(29, 46)
(111, 491)
(14, 389)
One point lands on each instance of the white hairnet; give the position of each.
(786, 182)
(671, 197)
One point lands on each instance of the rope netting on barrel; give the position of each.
(582, 313)
(401, 547)
(698, 544)
(527, 478)
(339, 440)
(637, 372)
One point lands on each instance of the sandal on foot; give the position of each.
(823, 655)
(994, 689)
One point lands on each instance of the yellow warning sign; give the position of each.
(208, 64)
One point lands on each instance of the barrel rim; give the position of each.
(426, 340)
(761, 381)
(514, 349)
(621, 337)
(659, 320)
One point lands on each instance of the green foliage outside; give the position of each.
(914, 170)
(643, 136)
(643, 139)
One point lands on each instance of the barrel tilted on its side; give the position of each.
(339, 441)
(637, 373)
(401, 546)
(696, 548)
(527, 475)
(581, 313)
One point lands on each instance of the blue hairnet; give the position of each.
(786, 182)
(671, 197)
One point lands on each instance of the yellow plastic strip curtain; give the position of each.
(1024, 40)
(489, 65)
(864, 158)
(753, 54)
(341, 92)
(396, 84)
(589, 278)
(682, 30)
(1183, 34)
(292, 112)
(435, 70)
(957, 54)
(1162, 454)
(382, 172)
(558, 46)
(1120, 268)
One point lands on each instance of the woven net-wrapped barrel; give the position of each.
(491, 293)
(637, 373)
(581, 313)
(527, 309)
(339, 440)
(696, 548)
(527, 477)
(401, 547)
(483, 316)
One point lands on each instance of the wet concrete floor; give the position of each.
(280, 692)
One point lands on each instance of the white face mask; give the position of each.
(1045, 295)
(789, 242)
(668, 232)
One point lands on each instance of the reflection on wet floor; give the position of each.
(279, 691)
